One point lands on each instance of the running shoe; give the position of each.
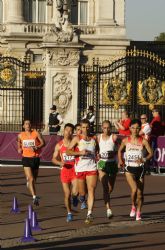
(83, 205)
(74, 201)
(133, 212)
(138, 216)
(89, 219)
(109, 213)
(36, 201)
(69, 217)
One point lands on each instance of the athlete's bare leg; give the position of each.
(67, 194)
(30, 178)
(91, 186)
(140, 189)
(133, 186)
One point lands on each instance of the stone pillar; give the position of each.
(14, 11)
(61, 86)
(120, 12)
(104, 12)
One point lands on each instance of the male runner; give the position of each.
(85, 167)
(134, 165)
(68, 175)
(107, 166)
(29, 144)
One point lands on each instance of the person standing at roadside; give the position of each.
(123, 125)
(29, 144)
(55, 121)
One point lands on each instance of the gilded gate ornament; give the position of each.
(151, 91)
(117, 91)
(8, 74)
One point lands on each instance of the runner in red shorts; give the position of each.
(85, 166)
(68, 175)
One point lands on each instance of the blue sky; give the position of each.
(145, 19)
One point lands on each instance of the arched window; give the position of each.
(1, 11)
(35, 11)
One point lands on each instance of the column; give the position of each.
(120, 12)
(14, 11)
(104, 12)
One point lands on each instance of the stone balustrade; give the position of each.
(39, 29)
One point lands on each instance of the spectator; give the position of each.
(90, 117)
(145, 127)
(55, 120)
(123, 125)
(156, 124)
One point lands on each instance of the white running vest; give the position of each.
(133, 153)
(87, 162)
(105, 147)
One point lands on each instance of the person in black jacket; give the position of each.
(91, 118)
(55, 120)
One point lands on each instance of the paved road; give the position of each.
(118, 233)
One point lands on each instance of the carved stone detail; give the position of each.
(49, 2)
(61, 57)
(62, 93)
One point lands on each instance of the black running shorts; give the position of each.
(31, 162)
(138, 172)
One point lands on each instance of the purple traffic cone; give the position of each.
(15, 208)
(30, 211)
(27, 233)
(35, 226)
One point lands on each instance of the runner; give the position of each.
(107, 165)
(29, 144)
(68, 175)
(81, 199)
(134, 165)
(85, 167)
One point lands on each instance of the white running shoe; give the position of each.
(133, 212)
(109, 213)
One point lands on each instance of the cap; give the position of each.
(53, 107)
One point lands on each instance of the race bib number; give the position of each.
(88, 156)
(106, 155)
(68, 158)
(28, 143)
(133, 156)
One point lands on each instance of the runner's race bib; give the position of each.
(106, 155)
(28, 143)
(133, 156)
(68, 158)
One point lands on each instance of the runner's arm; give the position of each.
(41, 140)
(149, 150)
(56, 156)
(19, 144)
(71, 151)
(120, 158)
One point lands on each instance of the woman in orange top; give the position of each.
(29, 144)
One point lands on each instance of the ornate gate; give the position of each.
(18, 99)
(135, 82)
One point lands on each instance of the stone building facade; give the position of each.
(57, 36)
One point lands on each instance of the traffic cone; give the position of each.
(34, 225)
(30, 210)
(27, 233)
(15, 208)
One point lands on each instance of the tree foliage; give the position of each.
(161, 37)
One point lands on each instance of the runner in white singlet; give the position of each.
(134, 165)
(85, 167)
(107, 165)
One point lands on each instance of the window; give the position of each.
(1, 11)
(83, 13)
(35, 11)
(79, 12)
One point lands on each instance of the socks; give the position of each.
(81, 198)
(89, 212)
